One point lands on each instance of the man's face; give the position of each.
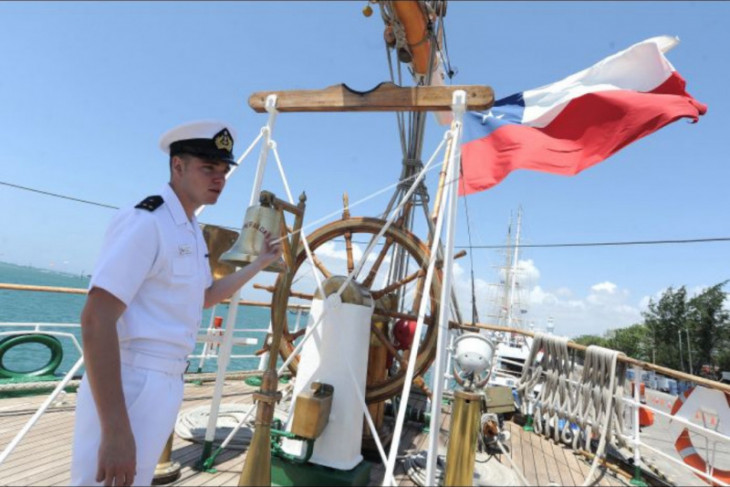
(201, 179)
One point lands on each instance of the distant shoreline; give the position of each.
(81, 275)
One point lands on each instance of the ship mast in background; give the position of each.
(508, 298)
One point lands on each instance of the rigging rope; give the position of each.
(474, 314)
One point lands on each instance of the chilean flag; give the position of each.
(568, 126)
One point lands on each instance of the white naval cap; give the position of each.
(209, 139)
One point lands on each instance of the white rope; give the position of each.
(419, 177)
(410, 369)
(241, 420)
(589, 402)
(515, 469)
(449, 135)
(605, 398)
(191, 425)
(427, 168)
(368, 417)
(303, 237)
(415, 467)
(531, 374)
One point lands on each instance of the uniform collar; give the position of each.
(176, 208)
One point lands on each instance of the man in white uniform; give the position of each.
(144, 307)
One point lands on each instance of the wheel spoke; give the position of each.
(404, 316)
(293, 294)
(348, 248)
(306, 296)
(325, 272)
(392, 287)
(388, 345)
(419, 292)
(378, 261)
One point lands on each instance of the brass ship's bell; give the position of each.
(218, 239)
(259, 222)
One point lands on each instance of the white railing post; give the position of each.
(207, 346)
(638, 372)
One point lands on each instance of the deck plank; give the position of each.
(515, 447)
(552, 467)
(544, 475)
(573, 466)
(528, 457)
(556, 452)
(540, 460)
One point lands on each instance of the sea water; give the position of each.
(37, 307)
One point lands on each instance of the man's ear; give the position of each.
(176, 165)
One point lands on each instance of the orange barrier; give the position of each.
(646, 417)
(687, 450)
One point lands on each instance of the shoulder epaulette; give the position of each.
(150, 203)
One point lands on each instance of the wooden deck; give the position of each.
(43, 456)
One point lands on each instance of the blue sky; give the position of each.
(88, 88)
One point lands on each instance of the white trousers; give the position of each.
(153, 399)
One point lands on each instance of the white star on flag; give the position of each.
(490, 114)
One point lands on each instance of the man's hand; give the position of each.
(223, 288)
(270, 250)
(117, 457)
(117, 452)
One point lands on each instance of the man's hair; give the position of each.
(183, 156)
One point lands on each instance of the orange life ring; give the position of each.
(687, 450)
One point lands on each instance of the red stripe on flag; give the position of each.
(588, 130)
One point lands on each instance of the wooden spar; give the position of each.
(384, 97)
(74, 290)
(640, 363)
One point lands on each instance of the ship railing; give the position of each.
(633, 433)
(23, 328)
(706, 440)
(636, 441)
(210, 338)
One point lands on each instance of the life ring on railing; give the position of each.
(687, 450)
(53, 344)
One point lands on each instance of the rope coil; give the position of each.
(586, 401)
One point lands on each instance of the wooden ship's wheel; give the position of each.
(408, 292)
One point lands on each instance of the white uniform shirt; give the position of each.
(156, 263)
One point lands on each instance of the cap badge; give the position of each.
(223, 140)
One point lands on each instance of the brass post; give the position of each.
(257, 468)
(461, 452)
(377, 371)
(166, 471)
